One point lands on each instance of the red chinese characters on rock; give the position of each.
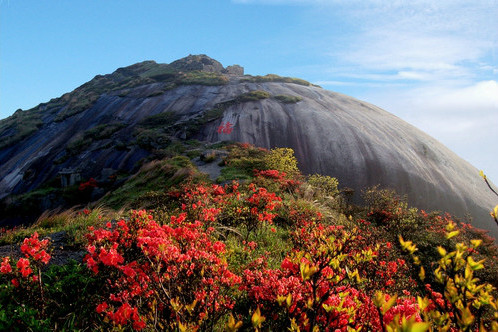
(225, 128)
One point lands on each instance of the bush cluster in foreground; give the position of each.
(275, 253)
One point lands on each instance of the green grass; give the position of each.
(275, 78)
(193, 143)
(72, 221)
(78, 144)
(192, 154)
(155, 176)
(164, 119)
(201, 78)
(160, 72)
(288, 99)
(85, 96)
(252, 96)
(80, 101)
(122, 80)
(233, 173)
(103, 131)
(18, 126)
(277, 243)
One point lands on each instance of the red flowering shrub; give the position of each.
(172, 275)
(36, 255)
(35, 249)
(276, 180)
(25, 276)
(229, 206)
(262, 255)
(317, 284)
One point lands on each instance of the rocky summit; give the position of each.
(107, 126)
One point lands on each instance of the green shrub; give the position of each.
(80, 101)
(233, 173)
(70, 294)
(83, 140)
(210, 157)
(192, 154)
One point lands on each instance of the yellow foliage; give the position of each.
(257, 319)
(326, 184)
(283, 160)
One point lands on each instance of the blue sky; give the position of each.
(432, 63)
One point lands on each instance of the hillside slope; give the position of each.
(112, 122)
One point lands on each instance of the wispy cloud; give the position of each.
(427, 41)
(417, 40)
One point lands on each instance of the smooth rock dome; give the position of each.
(363, 145)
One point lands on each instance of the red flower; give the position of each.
(34, 248)
(23, 266)
(5, 267)
(101, 307)
(111, 257)
(15, 282)
(225, 128)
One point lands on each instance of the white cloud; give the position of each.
(463, 118)
(440, 41)
(462, 106)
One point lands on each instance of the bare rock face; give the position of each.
(197, 62)
(356, 142)
(235, 70)
(362, 145)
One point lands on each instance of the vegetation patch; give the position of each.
(201, 78)
(103, 131)
(275, 78)
(18, 126)
(193, 125)
(77, 144)
(252, 96)
(161, 120)
(73, 222)
(83, 140)
(129, 77)
(262, 254)
(150, 139)
(157, 176)
(288, 99)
